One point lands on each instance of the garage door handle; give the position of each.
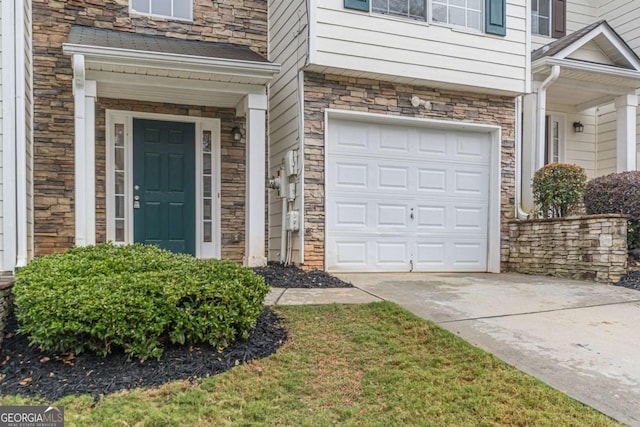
(411, 215)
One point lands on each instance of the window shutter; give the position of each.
(357, 5)
(495, 17)
(558, 18)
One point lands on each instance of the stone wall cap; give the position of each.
(6, 282)
(569, 218)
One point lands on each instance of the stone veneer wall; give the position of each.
(324, 91)
(232, 176)
(241, 22)
(6, 303)
(587, 247)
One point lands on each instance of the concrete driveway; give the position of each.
(579, 337)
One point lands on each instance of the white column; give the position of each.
(626, 107)
(528, 157)
(84, 93)
(255, 110)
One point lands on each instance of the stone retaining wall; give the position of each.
(586, 247)
(6, 297)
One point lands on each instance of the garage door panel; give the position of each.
(471, 148)
(431, 180)
(351, 175)
(390, 253)
(393, 177)
(349, 136)
(470, 182)
(393, 140)
(431, 217)
(430, 256)
(470, 219)
(448, 254)
(349, 214)
(469, 255)
(432, 145)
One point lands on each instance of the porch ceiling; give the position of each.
(161, 69)
(583, 85)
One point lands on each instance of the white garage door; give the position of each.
(404, 198)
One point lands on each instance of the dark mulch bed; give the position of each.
(631, 280)
(279, 276)
(29, 371)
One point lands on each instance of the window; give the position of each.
(415, 9)
(464, 13)
(541, 17)
(178, 9)
(555, 136)
(489, 15)
(548, 18)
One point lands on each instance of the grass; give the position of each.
(370, 365)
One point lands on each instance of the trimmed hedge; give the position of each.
(135, 297)
(558, 189)
(617, 193)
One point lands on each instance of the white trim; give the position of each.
(527, 42)
(132, 11)
(301, 164)
(620, 46)
(541, 64)
(203, 250)
(21, 138)
(313, 31)
(495, 183)
(173, 61)
(8, 195)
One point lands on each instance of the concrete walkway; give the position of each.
(579, 337)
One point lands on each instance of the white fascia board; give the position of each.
(614, 39)
(544, 63)
(172, 61)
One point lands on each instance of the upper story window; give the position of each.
(177, 9)
(548, 18)
(489, 15)
(463, 13)
(541, 17)
(415, 9)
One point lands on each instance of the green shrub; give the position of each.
(617, 193)
(558, 189)
(103, 297)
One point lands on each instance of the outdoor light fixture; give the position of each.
(578, 127)
(236, 133)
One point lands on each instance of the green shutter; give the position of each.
(496, 17)
(357, 5)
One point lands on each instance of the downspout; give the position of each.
(21, 138)
(520, 213)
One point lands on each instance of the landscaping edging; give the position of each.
(591, 247)
(6, 296)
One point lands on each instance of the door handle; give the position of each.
(411, 214)
(136, 202)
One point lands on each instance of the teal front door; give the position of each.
(164, 184)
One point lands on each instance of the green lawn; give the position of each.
(370, 365)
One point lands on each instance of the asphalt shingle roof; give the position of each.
(557, 45)
(99, 37)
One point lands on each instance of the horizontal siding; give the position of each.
(607, 135)
(623, 16)
(389, 46)
(580, 13)
(580, 148)
(288, 47)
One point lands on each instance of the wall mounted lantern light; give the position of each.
(236, 133)
(578, 127)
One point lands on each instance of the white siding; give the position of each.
(623, 16)
(580, 148)
(287, 46)
(379, 46)
(580, 13)
(606, 154)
